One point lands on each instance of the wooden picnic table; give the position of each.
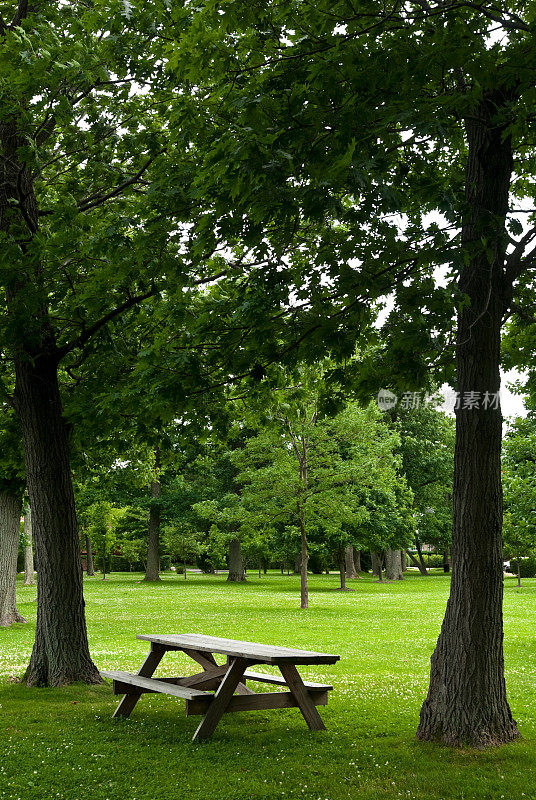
(228, 681)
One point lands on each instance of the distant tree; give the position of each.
(519, 481)
(102, 530)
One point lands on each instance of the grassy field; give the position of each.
(62, 743)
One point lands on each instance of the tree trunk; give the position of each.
(357, 562)
(376, 563)
(90, 568)
(466, 702)
(152, 568)
(404, 560)
(446, 562)
(29, 572)
(60, 653)
(236, 563)
(349, 565)
(304, 589)
(10, 510)
(393, 565)
(421, 564)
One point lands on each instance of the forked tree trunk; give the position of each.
(29, 572)
(236, 562)
(349, 563)
(90, 563)
(60, 653)
(419, 564)
(466, 702)
(10, 509)
(152, 568)
(393, 565)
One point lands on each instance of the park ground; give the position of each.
(61, 744)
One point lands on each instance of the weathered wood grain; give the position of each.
(259, 653)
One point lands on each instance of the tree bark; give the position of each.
(90, 563)
(29, 572)
(357, 562)
(236, 562)
(393, 565)
(152, 568)
(60, 653)
(466, 702)
(10, 511)
(349, 563)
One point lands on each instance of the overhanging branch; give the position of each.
(86, 334)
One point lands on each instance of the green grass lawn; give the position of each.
(62, 743)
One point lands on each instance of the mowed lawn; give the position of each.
(62, 743)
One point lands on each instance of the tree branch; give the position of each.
(20, 14)
(89, 204)
(86, 334)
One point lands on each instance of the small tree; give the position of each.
(103, 520)
(181, 543)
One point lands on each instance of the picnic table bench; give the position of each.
(225, 680)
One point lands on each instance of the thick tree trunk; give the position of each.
(466, 702)
(349, 563)
(152, 568)
(357, 562)
(404, 560)
(90, 563)
(393, 565)
(236, 562)
(446, 562)
(60, 653)
(29, 572)
(10, 510)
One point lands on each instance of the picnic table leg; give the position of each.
(302, 697)
(223, 695)
(126, 705)
(208, 662)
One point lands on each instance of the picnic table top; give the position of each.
(260, 653)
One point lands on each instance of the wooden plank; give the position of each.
(154, 685)
(263, 677)
(303, 697)
(209, 679)
(206, 660)
(259, 653)
(153, 659)
(221, 700)
(256, 702)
